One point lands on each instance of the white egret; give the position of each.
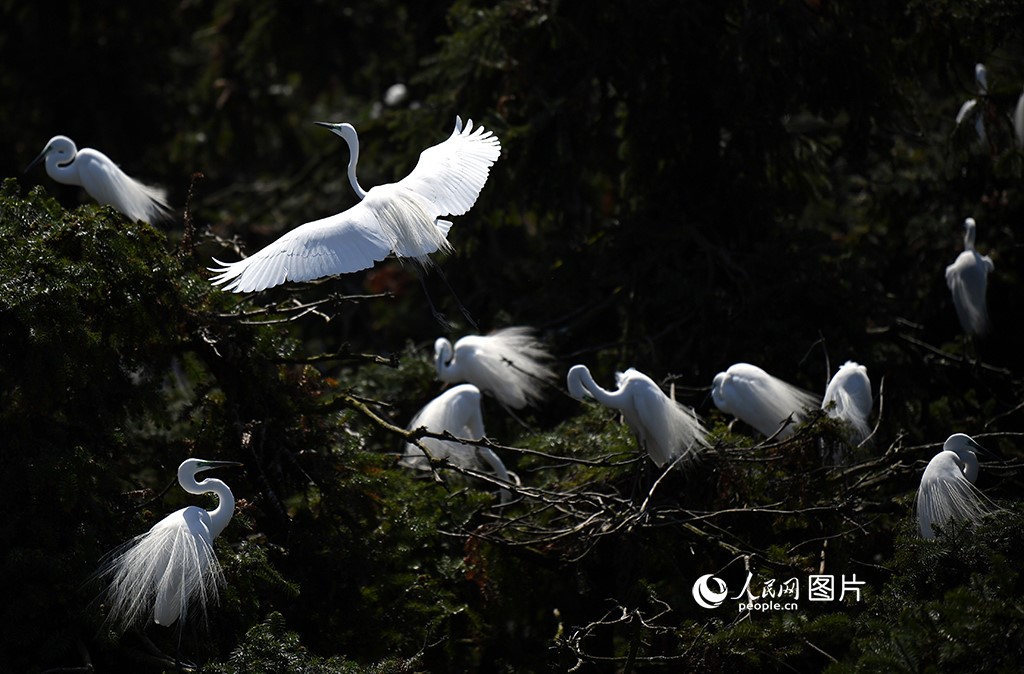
(760, 400)
(456, 411)
(666, 429)
(511, 364)
(850, 390)
(969, 109)
(947, 490)
(102, 179)
(967, 279)
(402, 217)
(172, 567)
(1018, 122)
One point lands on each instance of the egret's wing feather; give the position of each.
(666, 428)
(164, 571)
(948, 497)
(342, 243)
(967, 279)
(451, 174)
(511, 364)
(108, 184)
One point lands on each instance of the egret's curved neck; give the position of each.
(66, 173)
(353, 149)
(970, 461)
(225, 510)
(969, 237)
(444, 359)
(605, 397)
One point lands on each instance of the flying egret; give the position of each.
(172, 566)
(510, 364)
(456, 411)
(666, 429)
(969, 109)
(967, 279)
(947, 488)
(850, 390)
(402, 217)
(102, 179)
(760, 400)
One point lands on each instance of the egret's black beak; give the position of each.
(326, 124)
(978, 449)
(206, 465)
(37, 160)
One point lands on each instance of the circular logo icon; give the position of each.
(705, 596)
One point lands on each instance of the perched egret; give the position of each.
(510, 364)
(402, 217)
(164, 571)
(967, 279)
(456, 411)
(947, 487)
(666, 429)
(970, 110)
(850, 390)
(1018, 122)
(102, 179)
(760, 400)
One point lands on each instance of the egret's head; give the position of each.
(345, 130)
(60, 150)
(965, 447)
(190, 467)
(574, 382)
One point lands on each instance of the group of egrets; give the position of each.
(162, 573)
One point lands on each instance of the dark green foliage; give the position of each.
(682, 186)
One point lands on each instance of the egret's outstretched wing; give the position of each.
(451, 174)
(342, 243)
(108, 184)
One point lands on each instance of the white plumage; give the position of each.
(666, 429)
(947, 490)
(403, 217)
(103, 180)
(511, 364)
(967, 279)
(850, 390)
(760, 400)
(164, 572)
(456, 411)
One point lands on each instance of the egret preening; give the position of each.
(760, 400)
(970, 108)
(403, 217)
(967, 279)
(456, 411)
(164, 572)
(850, 390)
(666, 429)
(102, 179)
(510, 364)
(947, 490)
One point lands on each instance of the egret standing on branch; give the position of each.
(760, 400)
(403, 217)
(947, 490)
(666, 429)
(967, 279)
(850, 390)
(170, 568)
(510, 364)
(456, 411)
(103, 180)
